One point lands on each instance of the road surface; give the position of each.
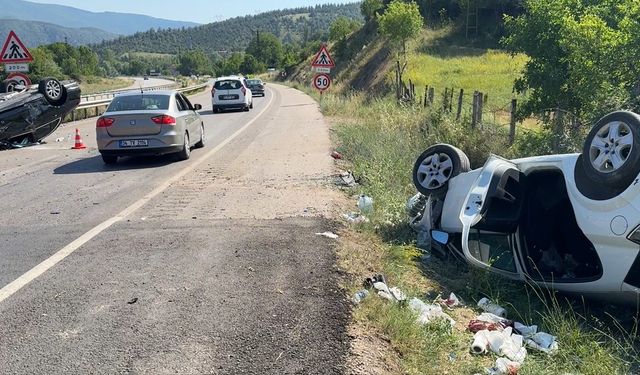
(151, 266)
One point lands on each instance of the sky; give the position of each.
(200, 11)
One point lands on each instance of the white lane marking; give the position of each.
(17, 284)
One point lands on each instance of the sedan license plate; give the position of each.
(228, 97)
(134, 143)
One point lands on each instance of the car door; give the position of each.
(193, 118)
(490, 219)
(185, 116)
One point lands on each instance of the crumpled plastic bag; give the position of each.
(504, 366)
(428, 312)
(543, 342)
(503, 343)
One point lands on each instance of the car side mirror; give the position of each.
(440, 237)
(264, 83)
(197, 107)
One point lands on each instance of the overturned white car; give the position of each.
(568, 222)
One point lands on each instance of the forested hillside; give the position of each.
(290, 26)
(33, 33)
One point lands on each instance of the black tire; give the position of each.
(186, 149)
(251, 105)
(53, 91)
(215, 110)
(246, 108)
(200, 143)
(109, 159)
(8, 85)
(607, 146)
(450, 162)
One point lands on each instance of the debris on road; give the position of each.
(355, 218)
(328, 235)
(132, 301)
(486, 305)
(365, 204)
(336, 155)
(360, 296)
(346, 179)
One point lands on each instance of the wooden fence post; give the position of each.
(432, 93)
(474, 110)
(445, 96)
(480, 107)
(426, 94)
(512, 122)
(459, 113)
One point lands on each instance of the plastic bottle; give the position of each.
(365, 204)
(486, 305)
(360, 295)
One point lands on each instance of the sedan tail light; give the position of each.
(164, 120)
(104, 122)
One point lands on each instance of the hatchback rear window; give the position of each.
(255, 82)
(139, 103)
(229, 84)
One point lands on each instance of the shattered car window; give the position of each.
(493, 249)
(138, 103)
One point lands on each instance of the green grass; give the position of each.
(94, 85)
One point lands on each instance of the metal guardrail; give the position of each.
(90, 108)
(111, 93)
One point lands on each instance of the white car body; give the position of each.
(542, 219)
(231, 93)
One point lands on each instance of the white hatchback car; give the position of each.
(568, 222)
(231, 93)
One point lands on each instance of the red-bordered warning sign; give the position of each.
(22, 78)
(14, 51)
(321, 81)
(323, 59)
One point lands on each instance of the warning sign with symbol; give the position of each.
(323, 59)
(14, 51)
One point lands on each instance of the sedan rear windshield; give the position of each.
(139, 103)
(255, 82)
(230, 84)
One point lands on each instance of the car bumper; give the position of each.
(257, 92)
(143, 151)
(157, 145)
(229, 105)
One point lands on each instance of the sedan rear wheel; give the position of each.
(186, 149)
(436, 166)
(611, 153)
(200, 143)
(109, 159)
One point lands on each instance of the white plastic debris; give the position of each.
(452, 301)
(380, 286)
(486, 305)
(328, 235)
(525, 331)
(355, 218)
(428, 312)
(360, 296)
(347, 179)
(543, 342)
(491, 318)
(504, 366)
(398, 294)
(386, 295)
(365, 204)
(503, 343)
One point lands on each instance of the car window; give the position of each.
(493, 249)
(229, 84)
(138, 103)
(255, 81)
(186, 101)
(182, 106)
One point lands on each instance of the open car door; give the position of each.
(490, 218)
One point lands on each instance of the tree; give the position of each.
(44, 65)
(370, 9)
(251, 65)
(401, 22)
(194, 62)
(266, 48)
(583, 55)
(342, 27)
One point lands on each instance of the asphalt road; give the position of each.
(152, 266)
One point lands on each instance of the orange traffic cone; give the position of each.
(79, 145)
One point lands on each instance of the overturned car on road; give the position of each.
(567, 222)
(32, 113)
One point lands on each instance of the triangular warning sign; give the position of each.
(323, 59)
(14, 51)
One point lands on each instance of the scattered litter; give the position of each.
(450, 302)
(55, 212)
(493, 318)
(397, 294)
(386, 295)
(479, 325)
(355, 218)
(428, 312)
(60, 139)
(280, 291)
(347, 179)
(525, 331)
(134, 300)
(543, 342)
(328, 235)
(503, 343)
(250, 269)
(369, 281)
(360, 295)
(486, 305)
(365, 204)
(336, 155)
(504, 366)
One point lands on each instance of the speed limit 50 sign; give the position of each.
(321, 81)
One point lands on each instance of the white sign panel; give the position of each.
(10, 68)
(322, 69)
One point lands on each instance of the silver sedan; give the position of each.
(149, 123)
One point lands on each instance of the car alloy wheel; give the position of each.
(611, 146)
(436, 166)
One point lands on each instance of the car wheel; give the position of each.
(200, 143)
(436, 166)
(611, 152)
(52, 90)
(251, 105)
(109, 159)
(246, 108)
(186, 148)
(8, 85)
